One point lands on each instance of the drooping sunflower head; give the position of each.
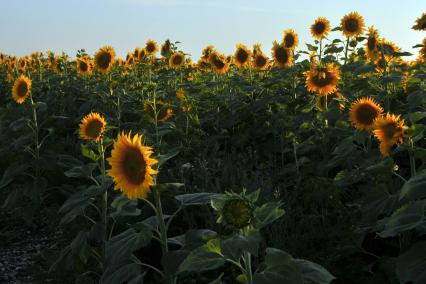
(281, 55)
(260, 61)
(371, 46)
(131, 166)
(219, 62)
(205, 54)
(21, 89)
(352, 24)
(162, 111)
(104, 59)
(242, 55)
(151, 47)
(322, 80)
(177, 60)
(389, 48)
(320, 28)
(92, 126)
(390, 130)
(166, 48)
(290, 39)
(84, 65)
(363, 113)
(420, 23)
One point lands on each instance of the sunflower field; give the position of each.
(307, 165)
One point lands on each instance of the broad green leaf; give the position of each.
(313, 273)
(121, 246)
(411, 265)
(414, 188)
(123, 273)
(201, 259)
(81, 171)
(196, 198)
(11, 172)
(267, 213)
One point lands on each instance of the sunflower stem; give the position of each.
(104, 197)
(36, 145)
(320, 48)
(346, 50)
(412, 160)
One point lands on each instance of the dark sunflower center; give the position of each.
(322, 79)
(237, 213)
(389, 130)
(22, 89)
(366, 114)
(219, 64)
(352, 25)
(104, 60)
(260, 61)
(371, 42)
(177, 60)
(134, 166)
(281, 55)
(94, 129)
(150, 47)
(289, 40)
(242, 56)
(319, 28)
(83, 66)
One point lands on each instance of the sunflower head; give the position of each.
(166, 48)
(390, 130)
(322, 80)
(420, 23)
(92, 126)
(352, 24)
(389, 48)
(205, 54)
(177, 60)
(131, 166)
(180, 94)
(104, 59)
(260, 61)
(237, 212)
(290, 39)
(242, 55)
(422, 52)
(363, 113)
(151, 47)
(219, 62)
(21, 89)
(371, 46)
(162, 111)
(281, 55)
(84, 65)
(320, 28)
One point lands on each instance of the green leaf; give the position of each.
(267, 213)
(202, 259)
(81, 171)
(123, 273)
(311, 47)
(124, 207)
(164, 158)
(121, 246)
(416, 116)
(11, 172)
(414, 188)
(280, 268)
(313, 273)
(416, 131)
(405, 218)
(234, 247)
(370, 67)
(196, 198)
(89, 153)
(411, 265)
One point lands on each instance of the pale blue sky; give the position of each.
(30, 25)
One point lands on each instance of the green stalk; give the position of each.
(104, 197)
(249, 273)
(412, 160)
(320, 48)
(36, 145)
(346, 51)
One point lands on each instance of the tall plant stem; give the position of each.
(412, 160)
(346, 50)
(104, 197)
(36, 137)
(320, 48)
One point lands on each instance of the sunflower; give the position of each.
(389, 48)
(242, 55)
(322, 79)
(371, 46)
(162, 111)
(363, 112)
(420, 23)
(282, 56)
(260, 61)
(166, 48)
(177, 60)
(84, 65)
(142, 54)
(21, 89)
(320, 28)
(151, 47)
(104, 59)
(389, 130)
(92, 126)
(352, 24)
(237, 212)
(290, 39)
(130, 59)
(205, 54)
(131, 166)
(219, 62)
(180, 94)
(422, 52)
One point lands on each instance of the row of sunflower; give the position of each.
(219, 126)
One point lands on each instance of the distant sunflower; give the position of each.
(131, 166)
(290, 39)
(104, 59)
(371, 46)
(84, 66)
(92, 127)
(162, 111)
(242, 55)
(142, 54)
(21, 89)
(219, 62)
(389, 48)
(166, 48)
(151, 47)
(389, 130)
(180, 94)
(322, 80)
(135, 53)
(130, 59)
(422, 52)
(352, 24)
(260, 61)
(281, 55)
(177, 60)
(320, 28)
(363, 112)
(205, 54)
(420, 23)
